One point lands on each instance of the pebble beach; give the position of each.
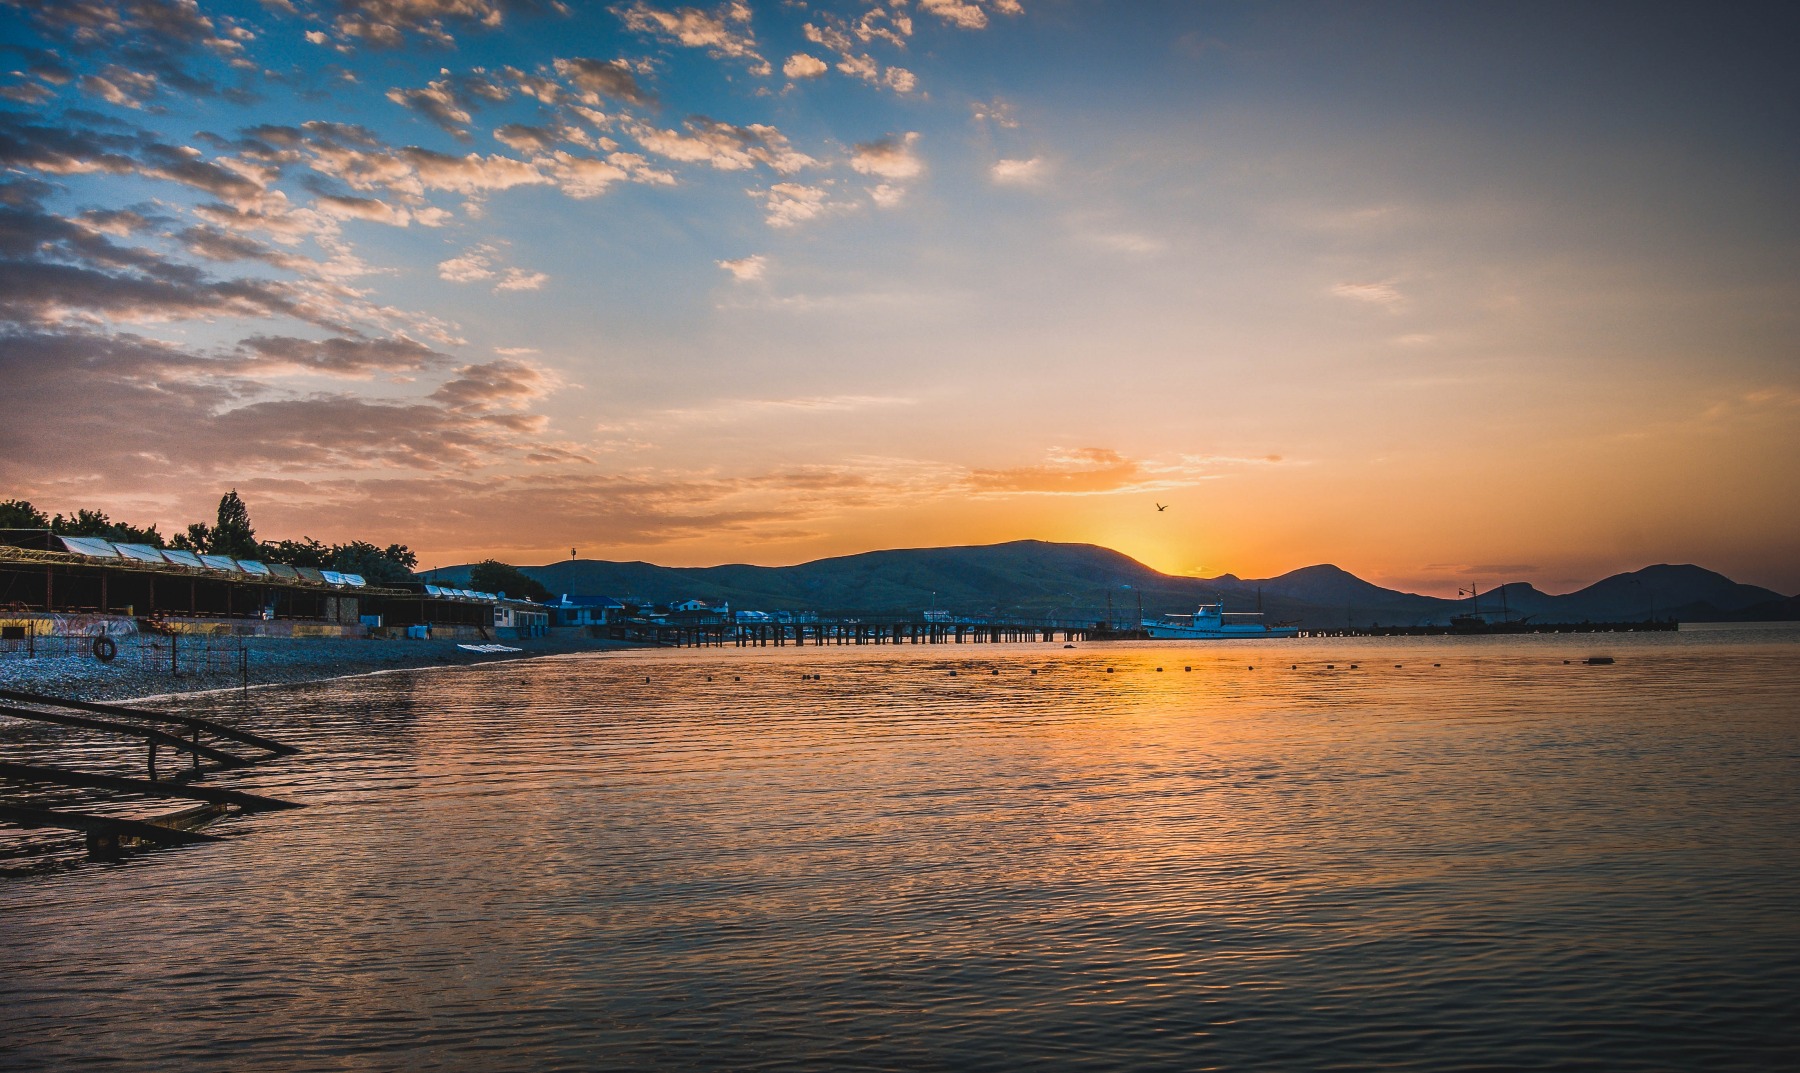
(70, 670)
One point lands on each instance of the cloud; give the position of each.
(1102, 470)
(388, 23)
(358, 358)
(956, 13)
(1083, 471)
(802, 66)
(746, 269)
(75, 389)
(437, 101)
(604, 78)
(505, 384)
(1381, 294)
(1018, 172)
(788, 204)
(469, 267)
(517, 279)
(481, 263)
(724, 146)
(723, 32)
(891, 157)
(1127, 242)
(843, 37)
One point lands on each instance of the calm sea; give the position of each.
(1455, 854)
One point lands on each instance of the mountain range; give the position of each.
(1034, 578)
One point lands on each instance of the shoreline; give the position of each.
(269, 662)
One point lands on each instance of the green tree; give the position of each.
(232, 534)
(95, 523)
(303, 552)
(299, 553)
(196, 539)
(18, 514)
(491, 575)
(377, 567)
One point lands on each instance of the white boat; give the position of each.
(1211, 622)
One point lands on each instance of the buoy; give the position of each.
(1034, 670)
(1253, 666)
(995, 671)
(1159, 670)
(1331, 666)
(1293, 666)
(953, 674)
(1396, 666)
(1437, 664)
(1187, 668)
(736, 678)
(1109, 670)
(646, 678)
(1353, 666)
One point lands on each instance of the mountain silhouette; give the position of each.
(1038, 578)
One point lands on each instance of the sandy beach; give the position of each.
(268, 661)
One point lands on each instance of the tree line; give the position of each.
(230, 533)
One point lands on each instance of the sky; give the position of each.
(1438, 293)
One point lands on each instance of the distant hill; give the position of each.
(1038, 578)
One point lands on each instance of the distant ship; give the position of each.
(1210, 622)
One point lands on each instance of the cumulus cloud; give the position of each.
(746, 269)
(723, 32)
(891, 157)
(725, 146)
(801, 66)
(788, 204)
(604, 78)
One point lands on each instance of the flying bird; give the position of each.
(1160, 507)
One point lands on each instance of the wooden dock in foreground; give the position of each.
(110, 836)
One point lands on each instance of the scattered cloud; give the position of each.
(788, 204)
(746, 269)
(802, 66)
(1018, 172)
(723, 32)
(890, 158)
(481, 263)
(1379, 294)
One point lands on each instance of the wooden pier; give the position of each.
(108, 836)
(860, 630)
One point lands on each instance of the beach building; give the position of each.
(55, 584)
(514, 619)
(584, 610)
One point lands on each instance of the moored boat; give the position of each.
(1211, 622)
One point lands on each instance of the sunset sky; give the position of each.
(1435, 292)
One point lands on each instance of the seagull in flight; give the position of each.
(1160, 507)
